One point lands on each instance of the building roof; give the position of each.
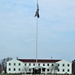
(39, 60)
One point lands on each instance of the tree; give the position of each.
(53, 68)
(0, 68)
(25, 69)
(3, 63)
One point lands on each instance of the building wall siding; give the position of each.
(30, 65)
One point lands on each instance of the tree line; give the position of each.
(3, 64)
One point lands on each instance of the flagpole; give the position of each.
(37, 1)
(36, 39)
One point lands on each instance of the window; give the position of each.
(52, 64)
(34, 64)
(14, 69)
(58, 70)
(68, 70)
(19, 64)
(47, 64)
(19, 69)
(9, 64)
(47, 69)
(29, 69)
(9, 69)
(25, 64)
(63, 65)
(58, 65)
(63, 70)
(68, 65)
(43, 64)
(38, 64)
(14, 64)
(29, 64)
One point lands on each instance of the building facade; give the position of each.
(43, 65)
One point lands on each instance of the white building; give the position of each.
(44, 66)
(64, 67)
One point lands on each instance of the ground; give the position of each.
(35, 74)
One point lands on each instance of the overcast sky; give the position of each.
(56, 31)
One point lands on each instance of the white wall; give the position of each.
(65, 67)
(16, 66)
(22, 66)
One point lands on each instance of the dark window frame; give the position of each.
(29, 69)
(68, 65)
(63, 70)
(25, 64)
(39, 64)
(68, 70)
(9, 69)
(47, 69)
(63, 64)
(14, 64)
(43, 64)
(9, 64)
(19, 64)
(33, 64)
(14, 69)
(52, 64)
(19, 69)
(58, 64)
(48, 64)
(58, 70)
(29, 64)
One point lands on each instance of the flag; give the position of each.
(37, 11)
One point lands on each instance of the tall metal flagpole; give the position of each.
(36, 39)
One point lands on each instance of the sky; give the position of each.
(56, 29)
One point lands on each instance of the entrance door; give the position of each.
(36, 71)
